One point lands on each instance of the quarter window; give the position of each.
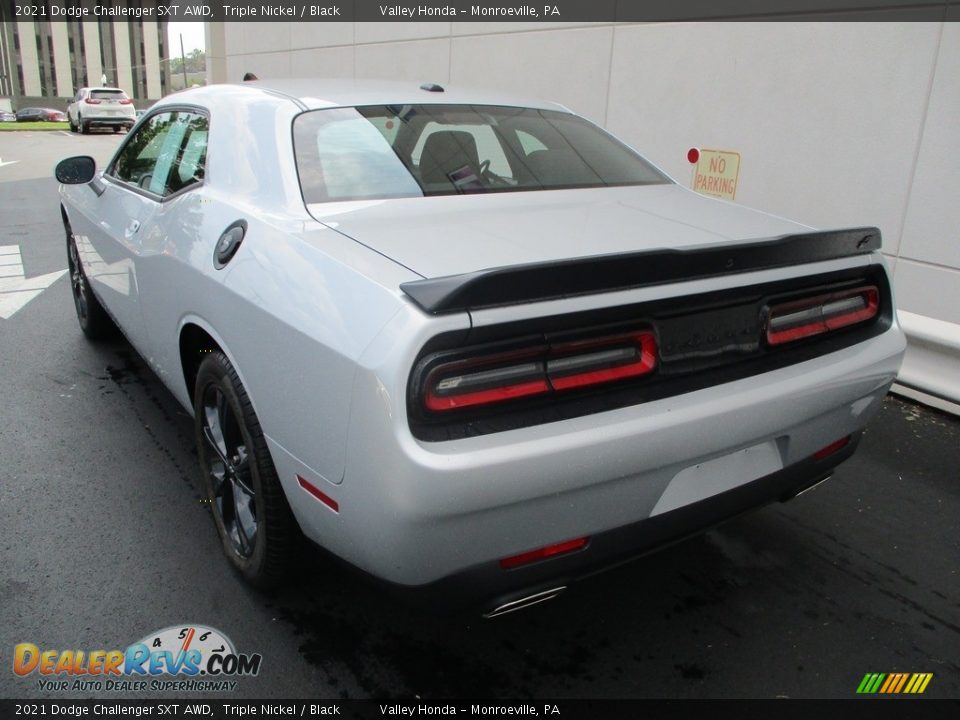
(166, 154)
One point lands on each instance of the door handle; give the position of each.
(132, 228)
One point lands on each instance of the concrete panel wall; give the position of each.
(62, 60)
(91, 44)
(837, 124)
(28, 54)
(151, 47)
(121, 41)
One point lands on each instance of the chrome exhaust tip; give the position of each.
(525, 602)
(810, 487)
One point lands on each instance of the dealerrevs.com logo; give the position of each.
(200, 658)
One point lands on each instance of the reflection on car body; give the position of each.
(471, 344)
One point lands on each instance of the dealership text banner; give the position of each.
(478, 11)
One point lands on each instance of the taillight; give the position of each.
(91, 101)
(126, 101)
(592, 362)
(539, 370)
(485, 381)
(799, 319)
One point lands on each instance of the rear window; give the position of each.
(108, 95)
(396, 151)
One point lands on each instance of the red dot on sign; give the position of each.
(389, 124)
(693, 155)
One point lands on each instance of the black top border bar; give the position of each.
(608, 273)
(478, 10)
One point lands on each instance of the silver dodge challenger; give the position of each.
(469, 343)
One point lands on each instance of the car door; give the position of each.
(167, 284)
(128, 197)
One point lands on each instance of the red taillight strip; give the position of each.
(566, 366)
(484, 397)
(644, 361)
(318, 494)
(813, 316)
(543, 553)
(486, 380)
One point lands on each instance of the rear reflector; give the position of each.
(540, 370)
(813, 316)
(543, 553)
(831, 448)
(318, 494)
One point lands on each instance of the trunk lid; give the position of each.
(451, 235)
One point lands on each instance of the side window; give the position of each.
(166, 154)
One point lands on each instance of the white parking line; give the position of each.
(15, 289)
(64, 132)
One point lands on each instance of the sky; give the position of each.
(192, 36)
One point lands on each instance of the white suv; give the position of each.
(101, 106)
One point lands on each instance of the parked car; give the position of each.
(468, 343)
(36, 114)
(7, 116)
(101, 107)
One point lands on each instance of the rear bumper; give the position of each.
(442, 514)
(108, 121)
(487, 586)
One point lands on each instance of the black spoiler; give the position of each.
(623, 271)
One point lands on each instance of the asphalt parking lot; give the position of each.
(104, 539)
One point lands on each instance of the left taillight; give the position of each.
(798, 319)
(539, 370)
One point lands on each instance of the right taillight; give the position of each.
(539, 370)
(797, 319)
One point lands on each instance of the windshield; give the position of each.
(415, 150)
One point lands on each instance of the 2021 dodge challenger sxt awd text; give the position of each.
(464, 342)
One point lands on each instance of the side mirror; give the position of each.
(76, 170)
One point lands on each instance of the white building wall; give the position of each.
(91, 44)
(151, 48)
(62, 60)
(28, 54)
(121, 41)
(837, 124)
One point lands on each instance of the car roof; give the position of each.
(316, 93)
(104, 87)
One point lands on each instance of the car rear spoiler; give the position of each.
(622, 271)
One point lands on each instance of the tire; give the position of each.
(84, 127)
(94, 320)
(73, 128)
(256, 527)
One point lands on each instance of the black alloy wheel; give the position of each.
(94, 320)
(250, 510)
(231, 484)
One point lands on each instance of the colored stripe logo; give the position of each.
(894, 683)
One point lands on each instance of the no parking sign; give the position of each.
(716, 172)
